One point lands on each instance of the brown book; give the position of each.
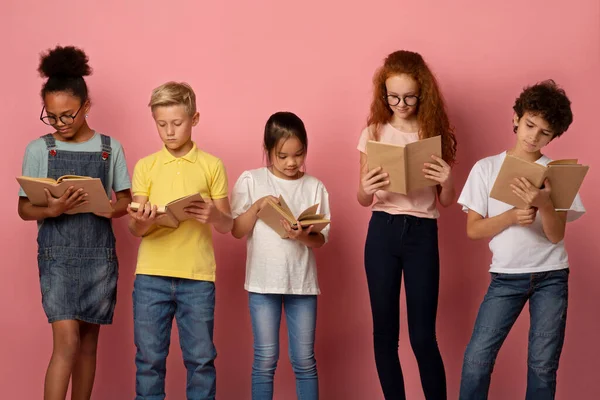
(273, 213)
(404, 164)
(565, 176)
(96, 193)
(172, 214)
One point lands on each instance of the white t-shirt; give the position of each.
(273, 264)
(517, 249)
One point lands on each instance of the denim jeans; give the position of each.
(301, 317)
(397, 246)
(156, 300)
(507, 294)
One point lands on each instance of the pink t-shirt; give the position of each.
(420, 203)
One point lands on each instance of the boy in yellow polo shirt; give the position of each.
(175, 271)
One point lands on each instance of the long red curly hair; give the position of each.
(431, 111)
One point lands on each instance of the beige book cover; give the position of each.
(96, 194)
(173, 213)
(273, 213)
(404, 164)
(565, 176)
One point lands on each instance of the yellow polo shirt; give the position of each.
(185, 252)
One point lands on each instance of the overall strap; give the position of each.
(106, 148)
(50, 141)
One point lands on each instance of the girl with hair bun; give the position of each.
(76, 253)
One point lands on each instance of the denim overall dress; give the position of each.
(76, 253)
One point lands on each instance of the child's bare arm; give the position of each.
(479, 227)
(245, 222)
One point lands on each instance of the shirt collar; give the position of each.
(191, 156)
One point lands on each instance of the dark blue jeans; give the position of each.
(547, 293)
(404, 245)
(156, 300)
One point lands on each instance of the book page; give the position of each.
(565, 181)
(176, 207)
(309, 213)
(391, 158)
(97, 198)
(513, 168)
(417, 154)
(272, 214)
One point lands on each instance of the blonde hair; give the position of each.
(174, 93)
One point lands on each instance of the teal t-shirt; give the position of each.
(35, 161)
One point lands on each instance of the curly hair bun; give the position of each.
(64, 62)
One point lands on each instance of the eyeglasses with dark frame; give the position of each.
(65, 119)
(410, 100)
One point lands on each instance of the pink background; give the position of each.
(316, 58)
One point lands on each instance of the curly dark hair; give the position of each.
(547, 100)
(65, 68)
(431, 114)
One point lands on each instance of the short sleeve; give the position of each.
(576, 210)
(362, 141)
(218, 186)
(241, 199)
(31, 165)
(323, 199)
(141, 181)
(121, 180)
(474, 195)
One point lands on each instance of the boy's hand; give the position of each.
(531, 195)
(298, 233)
(440, 172)
(68, 201)
(374, 180)
(524, 217)
(145, 216)
(204, 212)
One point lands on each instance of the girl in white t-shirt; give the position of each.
(281, 273)
(402, 239)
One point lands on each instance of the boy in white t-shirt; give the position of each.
(529, 261)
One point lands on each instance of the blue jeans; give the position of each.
(156, 300)
(301, 318)
(547, 293)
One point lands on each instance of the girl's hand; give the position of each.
(145, 216)
(203, 211)
(440, 172)
(374, 180)
(298, 233)
(263, 201)
(68, 201)
(531, 195)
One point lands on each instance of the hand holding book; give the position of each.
(203, 211)
(439, 172)
(374, 180)
(531, 195)
(70, 200)
(144, 216)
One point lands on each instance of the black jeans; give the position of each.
(399, 244)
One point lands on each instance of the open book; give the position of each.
(172, 214)
(565, 177)
(404, 164)
(96, 193)
(273, 213)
